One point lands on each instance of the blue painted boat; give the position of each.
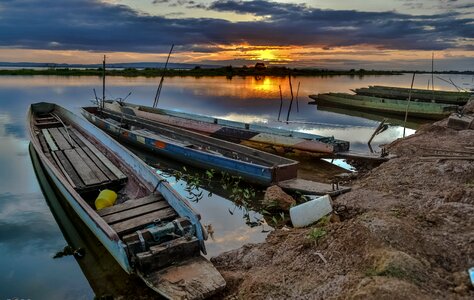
(260, 137)
(193, 148)
(151, 230)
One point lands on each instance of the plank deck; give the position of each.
(44, 144)
(97, 172)
(49, 140)
(67, 135)
(68, 169)
(62, 143)
(86, 174)
(99, 164)
(135, 212)
(130, 204)
(312, 187)
(75, 138)
(105, 160)
(134, 224)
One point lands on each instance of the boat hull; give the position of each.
(248, 171)
(421, 110)
(236, 132)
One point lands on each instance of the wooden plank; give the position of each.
(49, 140)
(97, 172)
(76, 139)
(312, 187)
(195, 278)
(137, 223)
(86, 174)
(67, 169)
(43, 143)
(104, 159)
(67, 135)
(59, 139)
(135, 212)
(99, 164)
(130, 204)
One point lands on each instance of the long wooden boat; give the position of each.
(422, 110)
(256, 136)
(448, 97)
(194, 148)
(104, 274)
(151, 230)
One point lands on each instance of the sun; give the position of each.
(266, 54)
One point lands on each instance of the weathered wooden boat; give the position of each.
(422, 110)
(193, 148)
(437, 96)
(151, 231)
(252, 135)
(104, 274)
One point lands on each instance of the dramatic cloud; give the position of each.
(101, 26)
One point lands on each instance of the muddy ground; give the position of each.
(405, 231)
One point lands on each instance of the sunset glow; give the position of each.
(324, 34)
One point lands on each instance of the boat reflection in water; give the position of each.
(104, 274)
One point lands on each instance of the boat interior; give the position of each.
(186, 138)
(150, 228)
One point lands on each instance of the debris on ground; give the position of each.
(405, 231)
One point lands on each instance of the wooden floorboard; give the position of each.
(76, 139)
(130, 204)
(99, 164)
(135, 212)
(67, 135)
(49, 140)
(86, 174)
(43, 143)
(137, 223)
(68, 169)
(105, 160)
(62, 143)
(97, 172)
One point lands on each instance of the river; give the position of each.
(29, 234)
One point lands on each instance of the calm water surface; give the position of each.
(29, 234)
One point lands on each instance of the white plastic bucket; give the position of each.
(309, 212)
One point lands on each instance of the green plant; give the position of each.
(315, 234)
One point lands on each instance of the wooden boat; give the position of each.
(104, 274)
(448, 97)
(194, 148)
(252, 135)
(151, 231)
(422, 110)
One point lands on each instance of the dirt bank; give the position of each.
(406, 232)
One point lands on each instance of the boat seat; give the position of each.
(83, 165)
(136, 214)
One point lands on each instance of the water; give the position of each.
(29, 234)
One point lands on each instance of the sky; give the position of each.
(335, 34)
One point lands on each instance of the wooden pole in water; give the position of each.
(297, 92)
(158, 91)
(291, 101)
(428, 88)
(103, 83)
(432, 76)
(281, 102)
(408, 104)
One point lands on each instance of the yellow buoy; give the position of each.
(105, 199)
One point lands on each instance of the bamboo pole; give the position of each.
(158, 91)
(281, 102)
(408, 104)
(103, 83)
(291, 101)
(432, 76)
(297, 92)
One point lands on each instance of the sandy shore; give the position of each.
(406, 231)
